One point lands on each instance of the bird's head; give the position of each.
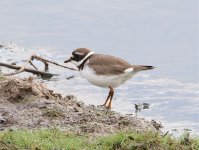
(79, 55)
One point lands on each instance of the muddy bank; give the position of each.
(27, 104)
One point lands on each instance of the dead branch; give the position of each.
(48, 61)
(36, 71)
(41, 73)
(33, 65)
(22, 68)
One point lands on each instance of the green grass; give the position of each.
(44, 139)
(149, 140)
(39, 139)
(1, 77)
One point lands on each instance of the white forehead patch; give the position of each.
(79, 53)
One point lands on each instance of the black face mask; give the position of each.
(77, 57)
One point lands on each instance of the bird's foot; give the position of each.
(104, 106)
(101, 106)
(108, 107)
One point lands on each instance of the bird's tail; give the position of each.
(137, 68)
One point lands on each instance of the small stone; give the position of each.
(70, 97)
(77, 109)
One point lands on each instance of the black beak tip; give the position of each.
(68, 60)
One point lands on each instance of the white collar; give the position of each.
(80, 62)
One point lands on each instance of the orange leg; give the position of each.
(111, 93)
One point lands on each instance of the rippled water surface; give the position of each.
(160, 33)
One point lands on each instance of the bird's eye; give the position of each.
(75, 55)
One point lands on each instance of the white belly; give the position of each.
(105, 81)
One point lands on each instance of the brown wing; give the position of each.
(107, 65)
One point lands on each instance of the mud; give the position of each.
(27, 104)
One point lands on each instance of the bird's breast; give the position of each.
(104, 80)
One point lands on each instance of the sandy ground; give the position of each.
(27, 104)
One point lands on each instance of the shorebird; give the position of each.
(103, 70)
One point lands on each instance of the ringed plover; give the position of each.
(103, 70)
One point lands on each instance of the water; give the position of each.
(160, 33)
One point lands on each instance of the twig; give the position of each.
(29, 61)
(37, 72)
(70, 77)
(45, 61)
(33, 65)
(46, 66)
(22, 68)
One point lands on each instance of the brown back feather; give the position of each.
(105, 64)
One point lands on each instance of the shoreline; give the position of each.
(34, 117)
(26, 104)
